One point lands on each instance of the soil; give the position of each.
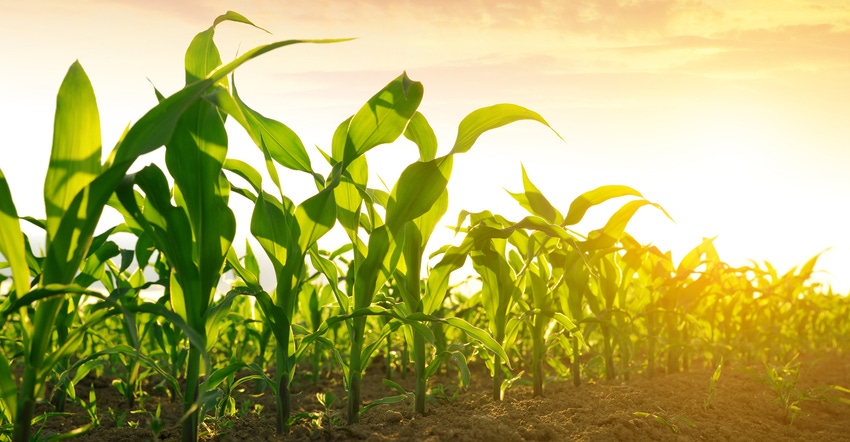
(667, 407)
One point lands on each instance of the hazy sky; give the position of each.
(733, 115)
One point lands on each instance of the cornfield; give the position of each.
(180, 309)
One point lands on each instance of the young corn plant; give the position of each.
(712, 387)
(417, 231)
(562, 250)
(288, 233)
(77, 188)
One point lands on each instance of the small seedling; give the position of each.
(712, 386)
(669, 423)
(783, 382)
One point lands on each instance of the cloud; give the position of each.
(788, 47)
(607, 19)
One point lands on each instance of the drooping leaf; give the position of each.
(532, 199)
(283, 144)
(420, 185)
(594, 197)
(608, 235)
(381, 120)
(419, 131)
(315, 216)
(235, 17)
(486, 118)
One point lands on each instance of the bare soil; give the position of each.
(664, 408)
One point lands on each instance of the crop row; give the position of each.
(553, 303)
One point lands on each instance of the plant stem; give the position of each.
(26, 407)
(355, 375)
(283, 405)
(282, 371)
(537, 354)
(190, 422)
(421, 380)
(497, 378)
(576, 366)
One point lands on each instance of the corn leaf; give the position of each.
(315, 216)
(596, 196)
(283, 144)
(420, 185)
(381, 120)
(8, 389)
(12, 245)
(608, 235)
(481, 336)
(532, 199)
(486, 118)
(419, 131)
(75, 157)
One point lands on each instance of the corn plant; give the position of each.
(418, 230)
(562, 276)
(77, 188)
(712, 387)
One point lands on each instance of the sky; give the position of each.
(732, 115)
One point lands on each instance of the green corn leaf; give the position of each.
(381, 120)
(283, 144)
(438, 279)
(420, 185)
(246, 171)
(172, 233)
(202, 57)
(12, 245)
(428, 221)
(235, 17)
(249, 277)
(48, 292)
(384, 401)
(94, 266)
(315, 216)
(420, 132)
(693, 259)
(484, 119)
(216, 315)
(408, 271)
(75, 157)
(195, 156)
(8, 389)
(532, 199)
(608, 235)
(463, 368)
(570, 326)
(274, 227)
(276, 316)
(71, 343)
(328, 269)
(218, 376)
(154, 129)
(594, 197)
(348, 195)
(394, 386)
(365, 283)
(81, 367)
(481, 336)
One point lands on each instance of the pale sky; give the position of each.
(733, 115)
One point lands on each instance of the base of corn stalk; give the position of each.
(599, 409)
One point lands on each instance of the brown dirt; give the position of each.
(743, 410)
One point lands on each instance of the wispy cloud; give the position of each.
(752, 51)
